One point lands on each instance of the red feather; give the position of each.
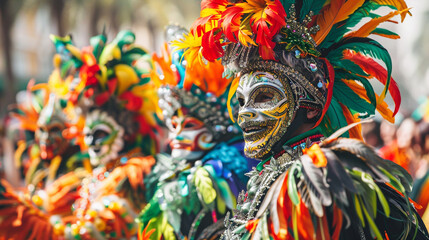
(377, 71)
(213, 47)
(198, 27)
(230, 22)
(133, 102)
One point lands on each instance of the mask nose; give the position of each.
(89, 140)
(44, 138)
(247, 114)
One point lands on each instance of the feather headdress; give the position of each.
(332, 35)
(113, 77)
(201, 88)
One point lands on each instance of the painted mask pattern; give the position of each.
(266, 111)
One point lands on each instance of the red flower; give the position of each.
(133, 103)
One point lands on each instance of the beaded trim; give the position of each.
(259, 183)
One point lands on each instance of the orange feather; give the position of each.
(337, 222)
(370, 26)
(354, 132)
(336, 11)
(398, 4)
(382, 107)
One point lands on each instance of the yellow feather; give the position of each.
(126, 77)
(232, 89)
(337, 11)
(18, 152)
(74, 51)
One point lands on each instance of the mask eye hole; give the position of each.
(264, 97)
(189, 125)
(240, 101)
(55, 129)
(100, 134)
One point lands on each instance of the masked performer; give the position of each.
(421, 148)
(51, 149)
(120, 129)
(202, 177)
(118, 103)
(304, 71)
(55, 166)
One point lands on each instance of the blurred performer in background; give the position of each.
(304, 71)
(118, 129)
(421, 163)
(51, 146)
(199, 182)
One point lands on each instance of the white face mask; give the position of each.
(266, 111)
(103, 136)
(189, 138)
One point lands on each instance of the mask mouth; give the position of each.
(96, 149)
(183, 144)
(254, 130)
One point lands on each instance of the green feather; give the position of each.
(286, 5)
(98, 43)
(124, 37)
(311, 5)
(294, 223)
(226, 193)
(292, 191)
(220, 204)
(365, 83)
(349, 98)
(150, 211)
(334, 119)
(341, 28)
(393, 181)
(383, 31)
(373, 227)
(371, 49)
(350, 67)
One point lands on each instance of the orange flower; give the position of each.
(251, 225)
(316, 154)
(265, 18)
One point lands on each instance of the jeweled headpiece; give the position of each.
(199, 88)
(326, 42)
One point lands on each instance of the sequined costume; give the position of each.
(304, 72)
(118, 131)
(199, 182)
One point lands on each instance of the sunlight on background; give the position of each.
(26, 51)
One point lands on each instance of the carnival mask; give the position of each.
(50, 139)
(49, 133)
(103, 136)
(266, 111)
(189, 138)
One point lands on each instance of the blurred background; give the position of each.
(26, 50)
